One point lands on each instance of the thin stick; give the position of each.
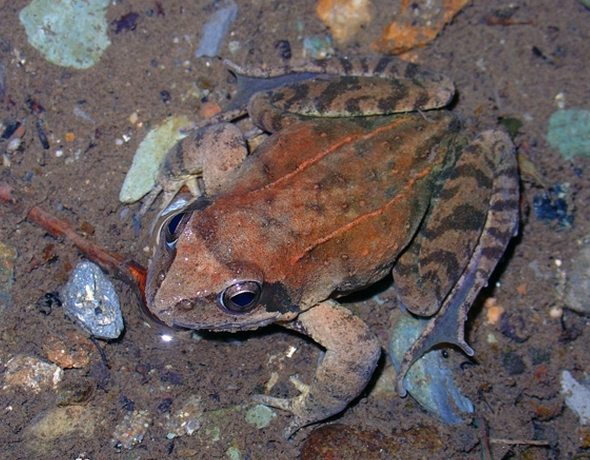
(486, 453)
(109, 261)
(519, 442)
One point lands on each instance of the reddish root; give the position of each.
(111, 262)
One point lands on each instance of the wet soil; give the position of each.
(501, 71)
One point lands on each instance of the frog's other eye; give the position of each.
(240, 297)
(173, 227)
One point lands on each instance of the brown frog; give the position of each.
(364, 173)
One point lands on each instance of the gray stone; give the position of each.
(91, 301)
(577, 289)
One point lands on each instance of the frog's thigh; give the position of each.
(345, 96)
(441, 250)
(352, 352)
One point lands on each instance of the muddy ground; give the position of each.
(510, 70)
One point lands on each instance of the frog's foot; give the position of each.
(448, 327)
(352, 352)
(201, 162)
(429, 380)
(294, 405)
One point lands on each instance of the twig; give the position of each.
(103, 355)
(109, 261)
(519, 442)
(486, 453)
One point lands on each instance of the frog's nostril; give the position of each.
(185, 305)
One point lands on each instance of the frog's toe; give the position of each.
(298, 406)
(279, 403)
(302, 387)
(289, 405)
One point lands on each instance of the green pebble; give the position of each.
(233, 453)
(142, 174)
(259, 416)
(69, 33)
(569, 132)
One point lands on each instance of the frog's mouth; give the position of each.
(206, 314)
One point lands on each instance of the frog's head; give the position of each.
(190, 285)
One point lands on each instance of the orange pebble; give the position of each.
(493, 310)
(70, 137)
(209, 109)
(494, 315)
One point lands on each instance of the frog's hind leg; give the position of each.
(448, 326)
(352, 353)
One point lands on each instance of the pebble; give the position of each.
(512, 363)
(577, 397)
(209, 109)
(216, 28)
(555, 205)
(8, 256)
(31, 374)
(81, 421)
(417, 24)
(569, 132)
(429, 380)
(90, 299)
(131, 431)
(60, 30)
(260, 416)
(72, 353)
(186, 420)
(494, 311)
(13, 145)
(317, 47)
(142, 174)
(577, 288)
(344, 17)
(341, 441)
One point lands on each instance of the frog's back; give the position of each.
(330, 202)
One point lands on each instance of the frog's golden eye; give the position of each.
(173, 227)
(240, 297)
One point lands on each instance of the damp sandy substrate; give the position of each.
(509, 71)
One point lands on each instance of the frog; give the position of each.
(364, 173)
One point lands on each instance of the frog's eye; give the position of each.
(173, 227)
(240, 297)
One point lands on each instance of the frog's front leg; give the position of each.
(208, 154)
(352, 352)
